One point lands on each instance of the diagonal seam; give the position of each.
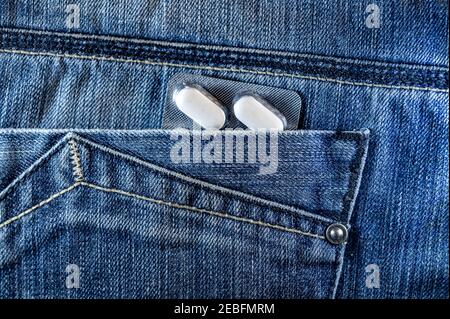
(201, 210)
(159, 202)
(37, 164)
(40, 204)
(213, 187)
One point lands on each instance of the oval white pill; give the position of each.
(256, 113)
(200, 106)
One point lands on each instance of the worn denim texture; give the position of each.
(140, 230)
(102, 86)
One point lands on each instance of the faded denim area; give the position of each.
(173, 236)
(410, 31)
(90, 98)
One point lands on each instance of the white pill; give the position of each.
(200, 106)
(256, 113)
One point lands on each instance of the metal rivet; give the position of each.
(336, 234)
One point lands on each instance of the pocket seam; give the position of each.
(200, 210)
(28, 211)
(40, 161)
(75, 161)
(356, 169)
(296, 212)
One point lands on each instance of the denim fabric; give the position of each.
(410, 31)
(103, 86)
(140, 230)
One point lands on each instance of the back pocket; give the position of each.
(137, 219)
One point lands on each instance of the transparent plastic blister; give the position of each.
(283, 103)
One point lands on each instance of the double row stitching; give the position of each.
(226, 49)
(224, 69)
(153, 50)
(76, 161)
(156, 52)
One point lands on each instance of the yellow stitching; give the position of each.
(44, 202)
(231, 49)
(76, 161)
(199, 67)
(155, 201)
(199, 210)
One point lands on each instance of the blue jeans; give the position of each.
(93, 205)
